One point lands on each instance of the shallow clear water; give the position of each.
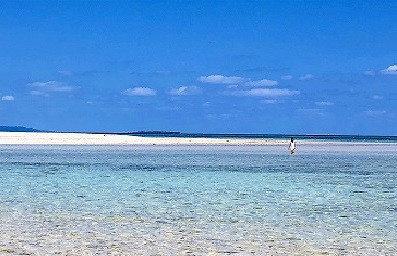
(325, 200)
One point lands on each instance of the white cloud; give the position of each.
(306, 77)
(377, 97)
(236, 81)
(8, 98)
(374, 113)
(263, 82)
(266, 92)
(219, 79)
(185, 90)
(140, 91)
(391, 70)
(369, 73)
(324, 103)
(287, 77)
(43, 88)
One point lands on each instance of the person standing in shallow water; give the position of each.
(292, 146)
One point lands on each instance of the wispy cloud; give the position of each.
(391, 70)
(168, 108)
(263, 82)
(38, 93)
(185, 90)
(218, 116)
(207, 104)
(219, 79)
(152, 73)
(266, 92)
(65, 73)
(81, 73)
(312, 111)
(374, 113)
(140, 91)
(324, 103)
(269, 101)
(377, 97)
(369, 73)
(45, 88)
(8, 98)
(306, 77)
(264, 69)
(287, 77)
(162, 72)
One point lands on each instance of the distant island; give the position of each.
(28, 129)
(150, 132)
(17, 129)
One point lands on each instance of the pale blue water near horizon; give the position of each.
(300, 137)
(197, 200)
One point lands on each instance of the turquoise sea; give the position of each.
(197, 200)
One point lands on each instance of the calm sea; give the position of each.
(218, 200)
(320, 138)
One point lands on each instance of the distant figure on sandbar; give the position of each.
(292, 146)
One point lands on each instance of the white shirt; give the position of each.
(292, 145)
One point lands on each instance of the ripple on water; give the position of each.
(206, 202)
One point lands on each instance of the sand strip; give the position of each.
(33, 138)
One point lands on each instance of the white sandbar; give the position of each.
(38, 138)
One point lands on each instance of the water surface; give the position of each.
(171, 200)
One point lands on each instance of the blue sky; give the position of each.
(308, 67)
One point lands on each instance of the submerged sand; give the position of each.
(37, 138)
